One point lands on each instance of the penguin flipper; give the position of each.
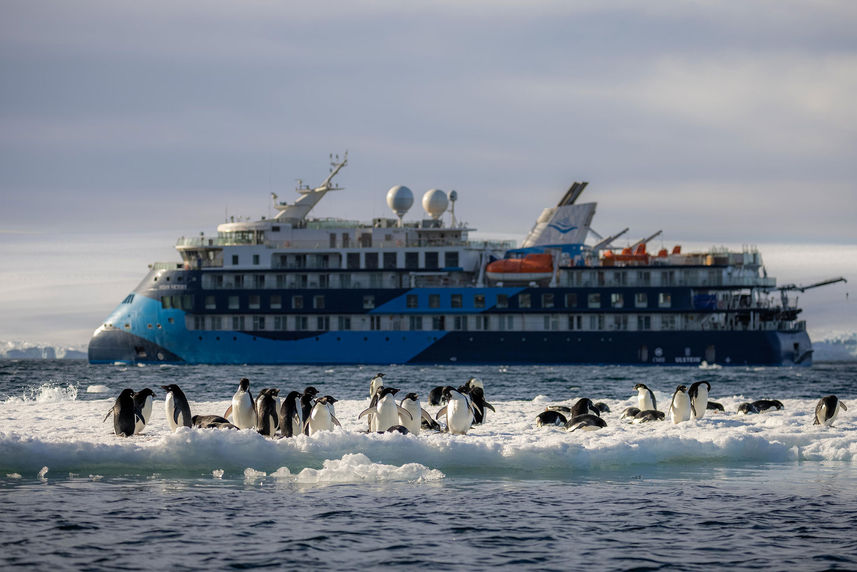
(404, 411)
(368, 411)
(491, 407)
(109, 413)
(693, 408)
(228, 412)
(426, 416)
(441, 412)
(176, 413)
(335, 421)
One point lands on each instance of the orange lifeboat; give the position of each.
(530, 268)
(627, 256)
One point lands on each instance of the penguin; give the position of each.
(714, 406)
(649, 415)
(473, 383)
(645, 397)
(629, 412)
(176, 407)
(124, 414)
(458, 411)
(587, 422)
(291, 417)
(564, 409)
(698, 394)
(747, 408)
(386, 411)
(243, 407)
(397, 429)
(321, 418)
(436, 396)
(680, 405)
(477, 401)
(376, 384)
(330, 400)
(306, 405)
(267, 418)
(584, 406)
(211, 422)
(549, 417)
(602, 407)
(764, 404)
(827, 409)
(411, 404)
(143, 408)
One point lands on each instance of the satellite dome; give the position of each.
(400, 199)
(435, 202)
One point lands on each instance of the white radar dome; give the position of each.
(435, 202)
(400, 199)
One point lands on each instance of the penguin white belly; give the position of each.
(388, 414)
(319, 419)
(458, 416)
(644, 400)
(700, 404)
(412, 424)
(146, 412)
(680, 408)
(243, 412)
(169, 409)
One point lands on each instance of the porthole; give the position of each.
(200, 338)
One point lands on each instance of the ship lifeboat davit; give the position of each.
(530, 268)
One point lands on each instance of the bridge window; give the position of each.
(479, 301)
(412, 301)
(641, 300)
(455, 301)
(664, 300)
(593, 300)
(524, 301)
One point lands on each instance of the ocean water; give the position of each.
(767, 491)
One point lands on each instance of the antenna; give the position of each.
(453, 196)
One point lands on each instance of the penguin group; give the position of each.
(460, 408)
(686, 403)
(583, 415)
(306, 412)
(131, 411)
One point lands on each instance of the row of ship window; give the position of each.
(552, 322)
(371, 260)
(502, 301)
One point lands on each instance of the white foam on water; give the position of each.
(98, 389)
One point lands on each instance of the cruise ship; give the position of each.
(293, 289)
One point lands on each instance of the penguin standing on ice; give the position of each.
(698, 394)
(411, 404)
(827, 409)
(243, 407)
(267, 417)
(645, 397)
(680, 405)
(458, 411)
(321, 417)
(176, 407)
(143, 407)
(386, 411)
(124, 414)
(477, 400)
(291, 417)
(307, 401)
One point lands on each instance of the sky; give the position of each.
(124, 125)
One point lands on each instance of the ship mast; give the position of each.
(297, 212)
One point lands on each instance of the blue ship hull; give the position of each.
(144, 332)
